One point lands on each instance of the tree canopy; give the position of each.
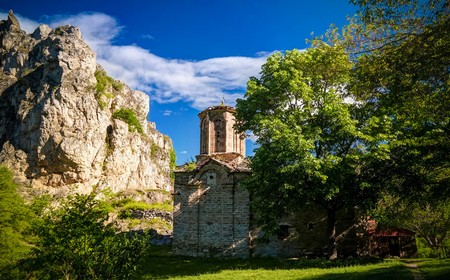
(402, 70)
(312, 147)
(344, 121)
(429, 219)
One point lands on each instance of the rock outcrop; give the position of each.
(58, 127)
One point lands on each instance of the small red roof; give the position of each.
(373, 231)
(393, 232)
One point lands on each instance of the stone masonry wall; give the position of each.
(304, 235)
(211, 215)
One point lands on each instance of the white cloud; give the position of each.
(251, 136)
(167, 113)
(200, 83)
(183, 152)
(147, 36)
(98, 29)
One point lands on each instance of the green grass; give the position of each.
(158, 223)
(190, 166)
(137, 205)
(434, 268)
(160, 264)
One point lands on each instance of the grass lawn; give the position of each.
(436, 269)
(160, 264)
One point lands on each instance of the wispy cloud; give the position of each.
(251, 136)
(200, 83)
(147, 36)
(98, 29)
(167, 113)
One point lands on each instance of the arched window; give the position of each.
(218, 136)
(204, 136)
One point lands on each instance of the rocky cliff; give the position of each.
(64, 124)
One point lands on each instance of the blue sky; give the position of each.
(186, 54)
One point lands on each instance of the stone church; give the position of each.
(211, 209)
(212, 215)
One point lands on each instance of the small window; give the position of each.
(283, 231)
(210, 178)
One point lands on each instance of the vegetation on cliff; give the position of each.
(104, 87)
(128, 116)
(173, 163)
(57, 128)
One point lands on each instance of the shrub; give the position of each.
(128, 116)
(15, 218)
(122, 202)
(173, 163)
(190, 166)
(104, 82)
(76, 241)
(58, 31)
(154, 150)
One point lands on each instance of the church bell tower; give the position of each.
(217, 134)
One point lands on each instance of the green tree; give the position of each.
(402, 53)
(15, 218)
(77, 242)
(429, 219)
(312, 147)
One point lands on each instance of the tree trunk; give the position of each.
(331, 233)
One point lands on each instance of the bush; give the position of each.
(173, 164)
(190, 166)
(15, 222)
(104, 82)
(154, 150)
(128, 116)
(76, 241)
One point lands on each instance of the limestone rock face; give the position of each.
(57, 128)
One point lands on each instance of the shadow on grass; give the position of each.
(161, 264)
(438, 269)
